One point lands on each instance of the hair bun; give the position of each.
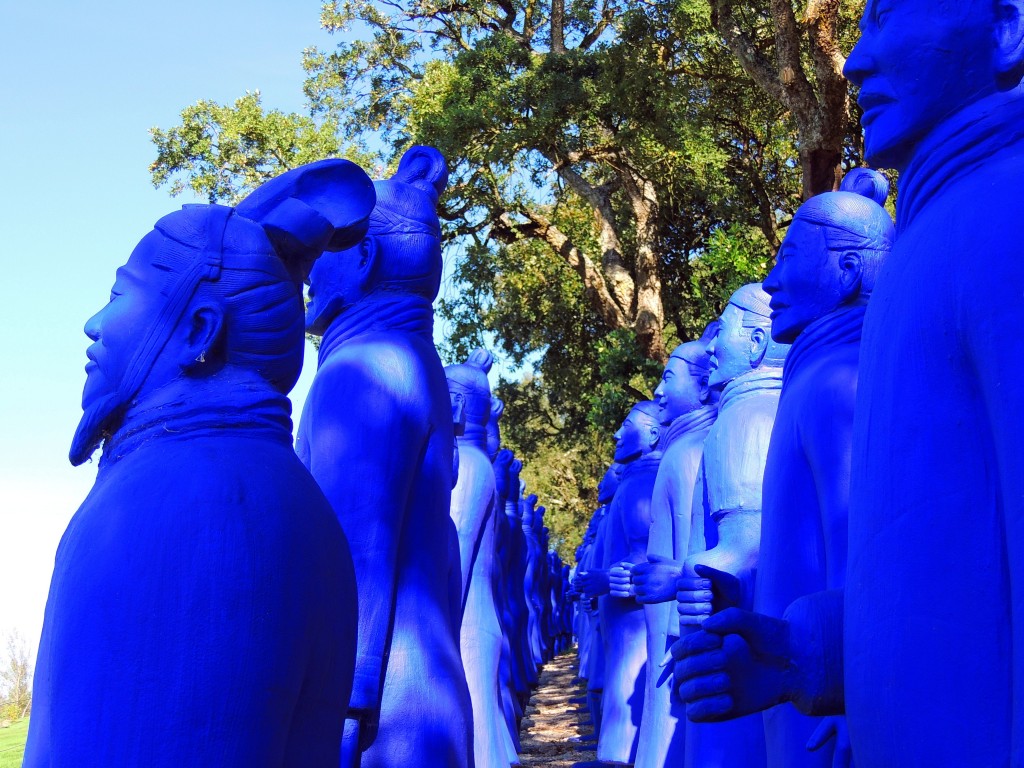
(481, 358)
(866, 183)
(424, 168)
(323, 206)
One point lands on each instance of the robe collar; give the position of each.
(401, 312)
(231, 402)
(960, 145)
(766, 378)
(835, 329)
(694, 421)
(646, 463)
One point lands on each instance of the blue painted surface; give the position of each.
(201, 605)
(377, 434)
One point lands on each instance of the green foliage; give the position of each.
(597, 150)
(223, 152)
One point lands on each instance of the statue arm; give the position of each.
(364, 451)
(828, 443)
(996, 352)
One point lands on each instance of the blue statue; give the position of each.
(824, 274)
(688, 410)
(592, 668)
(623, 629)
(936, 424)
(202, 599)
(746, 366)
(474, 508)
(376, 433)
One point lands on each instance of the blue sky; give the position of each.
(80, 85)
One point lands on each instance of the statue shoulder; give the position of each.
(377, 363)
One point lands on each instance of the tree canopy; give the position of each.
(618, 167)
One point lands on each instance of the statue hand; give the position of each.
(618, 580)
(711, 591)
(833, 726)
(738, 664)
(361, 727)
(655, 580)
(593, 583)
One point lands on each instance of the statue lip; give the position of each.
(871, 102)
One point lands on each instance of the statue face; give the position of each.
(335, 283)
(680, 390)
(633, 438)
(118, 329)
(917, 62)
(804, 283)
(606, 488)
(730, 348)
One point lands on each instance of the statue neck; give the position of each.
(379, 312)
(843, 326)
(961, 144)
(233, 401)
(762, 379)
(475, 434)
(697, 419)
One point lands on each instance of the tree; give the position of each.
(799, 63)
(15, 679)
(616, 171)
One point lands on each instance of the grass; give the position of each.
(12, 744)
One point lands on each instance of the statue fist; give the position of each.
(710, 591)
(619, 580)
(655, 581)
(738, 664)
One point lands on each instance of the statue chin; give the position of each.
(318, 321)
(98, 420)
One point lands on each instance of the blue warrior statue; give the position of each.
(202, 605)
(380, 376)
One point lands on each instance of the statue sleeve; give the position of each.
(364, 450)
(828, 443)
(995, 349)
(734, 458)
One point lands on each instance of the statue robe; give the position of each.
(623, 628)
(806, 499)
(202, 603)
(726, 513)
(475, 511)
(934, 635)
(662, 726)
(376, 433)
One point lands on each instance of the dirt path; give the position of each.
(551, 719)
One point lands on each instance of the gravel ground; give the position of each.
(550, 719)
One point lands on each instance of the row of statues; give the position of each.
(862, 478)
(748, 456)
(379, 594)
(789, 538)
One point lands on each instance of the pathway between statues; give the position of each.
(552, 719)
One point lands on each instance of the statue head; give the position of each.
(401, 252)
(609, 483)
(493, 427)
(469, 379)
(743, 340)
(920, 61)
(684, 382)
(217, 289)
(831, 255)
(639, 433)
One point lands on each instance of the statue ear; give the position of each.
(655, 437)
(758, 346)
(203, 350)
(851, 273)
(459, 413)
(705, 388)
(1010, 38)
(367, 262)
